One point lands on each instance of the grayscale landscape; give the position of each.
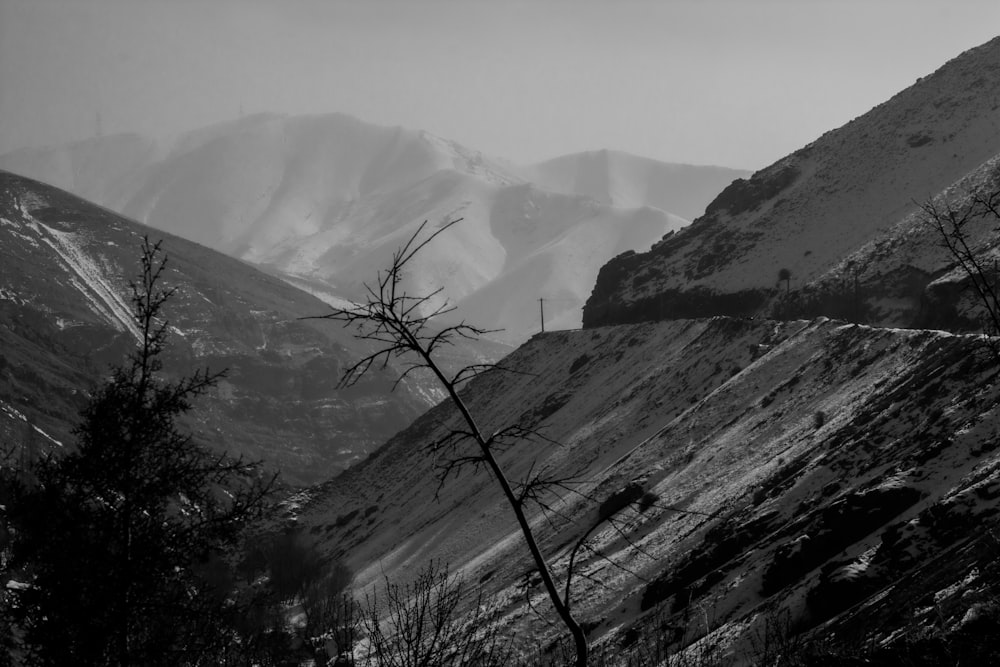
(398, 334)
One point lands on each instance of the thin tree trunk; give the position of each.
(579, 637)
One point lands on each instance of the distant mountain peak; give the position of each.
(325, 198)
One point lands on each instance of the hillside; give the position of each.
(64, 318)
(789, 472)
(320, 200)
(811, 210)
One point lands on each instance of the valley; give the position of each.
(65, 319)
(757, 423)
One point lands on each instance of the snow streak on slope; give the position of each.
(14, 414)
(63, 322)
(89, 279)
(771, 456)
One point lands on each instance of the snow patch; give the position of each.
(88, 277)
(14, 413)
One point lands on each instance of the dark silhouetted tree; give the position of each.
(954, 225)
(398, 323)
(122, 535)
(420, 625)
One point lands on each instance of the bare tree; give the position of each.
(399, 324)
(420, 626)
(332, 618)
(954, 227)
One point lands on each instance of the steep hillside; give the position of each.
(323, 199)
(759, 473)
(809, 211)
(64, 317)
(904, 274)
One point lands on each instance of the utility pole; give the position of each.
(857, 299)
(541, 312)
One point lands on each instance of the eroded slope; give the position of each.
(751, 467)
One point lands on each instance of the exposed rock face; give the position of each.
(64, 317)
(821, 211)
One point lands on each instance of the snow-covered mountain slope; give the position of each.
(619, 179)
(545, 246)
(765, 477)
(65, 316)
(257, 186)
(325, 200)
(813, 208)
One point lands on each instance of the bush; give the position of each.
(422, 625)
(123, 535)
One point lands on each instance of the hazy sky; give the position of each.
(730, 82)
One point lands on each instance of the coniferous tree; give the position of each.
(118, 537)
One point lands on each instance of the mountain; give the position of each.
(64, 318)
(743, 485)
(792, 474)
(775, 486)
(616, 178)
(904, 275)
(855, 187)
(324, 200)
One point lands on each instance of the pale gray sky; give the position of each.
(730, 82)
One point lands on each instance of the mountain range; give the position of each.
(756, 437)
(321, 200)
(65, 318)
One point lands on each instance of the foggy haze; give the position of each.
(730, 83)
